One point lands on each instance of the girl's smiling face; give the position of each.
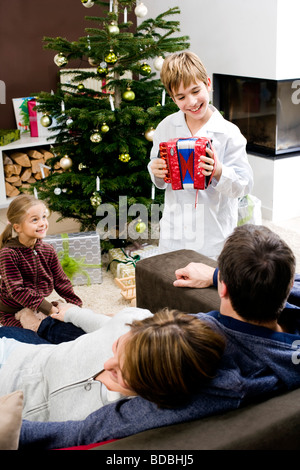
(193, 101)
(33, 226)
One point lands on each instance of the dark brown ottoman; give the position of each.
(154, 284)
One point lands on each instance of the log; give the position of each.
(26, 174)
(11, 191)
(21, 158)
(34, 154)
(13, 179)
(35, 164)
(46, 154)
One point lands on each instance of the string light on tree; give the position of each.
(60, 59)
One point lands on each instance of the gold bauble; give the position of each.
(65, 162)
(111, 58)
(104, 128)
(102, 71)
(96, 199)
(140, 226)
(145, 69)
(128, 95)
(46, 120)
(60, 60)
(113, 29)
(95, 137)
(124, 157)
(149, 134)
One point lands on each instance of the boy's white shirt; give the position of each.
(205, 227)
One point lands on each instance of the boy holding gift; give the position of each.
(203, 226)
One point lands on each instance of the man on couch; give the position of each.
(256, 272)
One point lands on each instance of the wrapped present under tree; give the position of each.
(80, 256)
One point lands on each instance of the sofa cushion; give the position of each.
(10, 420)
(154, 284)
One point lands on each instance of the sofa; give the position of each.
(270, 425)
(273, 424)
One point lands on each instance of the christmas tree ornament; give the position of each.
(128, 95)
(46, 120)
(102, 71)
(111, 57)
(141, 10)
(158, 63)
(60, 59)
(96, 199)
(66, 162)
(95, 137)
(149, 134)
(69, 121)
(81, 166)
(80, 86)
(57, 191)
(93, 62)
(87, 3)
(140, 226)
(113, 29)
(124, 157)
(104, 128)
(145, 69)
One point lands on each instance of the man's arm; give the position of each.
(197, 275)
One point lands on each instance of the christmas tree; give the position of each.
(103, 133)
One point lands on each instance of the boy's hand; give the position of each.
(208, 164)
(159, 168)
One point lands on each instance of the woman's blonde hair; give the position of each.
(170, 356)
(185, 67)
(15, 214)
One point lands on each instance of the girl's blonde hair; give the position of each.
(15, 214)
(170, 356)
(185, 67)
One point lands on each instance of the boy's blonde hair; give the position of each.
(185, 67)
(15, 214)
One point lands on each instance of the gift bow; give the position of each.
(72, 266)
(128, 259)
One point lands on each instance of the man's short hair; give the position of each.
(258, 268)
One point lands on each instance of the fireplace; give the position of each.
(266, 111)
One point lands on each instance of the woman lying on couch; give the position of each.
(164, 358)
(256, 272)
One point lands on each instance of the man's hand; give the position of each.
(198, 275)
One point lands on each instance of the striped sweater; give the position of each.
(28, 276)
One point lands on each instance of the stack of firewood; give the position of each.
(22, 169)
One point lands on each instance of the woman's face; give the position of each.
(113, 368)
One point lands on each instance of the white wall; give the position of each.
(253, 38)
